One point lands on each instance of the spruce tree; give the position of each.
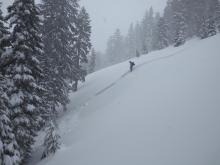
(52, 140)
(180, 23)
(4, 34)
(163, 40)
(168, 19)
(92, 61)
(213, 13)
(83, 44)
(147, 30)
(138, 36)
(115, 48)
(180, 37)
(55, 39)
(155, 32)
(4, 41)
(210, 23)
(22, 67)
(217, 16)
(144, 49)
(130, 42)
(207, 28)
(60, 32)
(9, 152)
(203, 32)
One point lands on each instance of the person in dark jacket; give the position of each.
(132, 64)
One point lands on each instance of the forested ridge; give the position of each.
(180, 21)
(42, 50)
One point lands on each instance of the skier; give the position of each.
(132, 64)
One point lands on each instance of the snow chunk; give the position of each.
(30, 107)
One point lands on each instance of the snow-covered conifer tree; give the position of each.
(163, 40)
(155, 32)
(180, 37)
(180, 23)
(168, 18)
(130, 43)
(115, 48)
(210, 23)
(4, 33)
(60, 33)
(83, 44)
(144, 49)
(138, 37)
(147, 30)
(56, 35)
(92, 61)
(22, 68)
(208, 28)
(9, 153)
(203, 30)
(52, 140)
(217, 16)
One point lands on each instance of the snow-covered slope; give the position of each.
(166, 112)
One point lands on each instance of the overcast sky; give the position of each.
(107, 15)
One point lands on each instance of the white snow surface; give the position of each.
(166, 112)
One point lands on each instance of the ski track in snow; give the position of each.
(139, 66)
(79, 108)
(89, 100)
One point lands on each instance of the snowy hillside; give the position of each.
(166, 112)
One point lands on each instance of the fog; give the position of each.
(107, 15)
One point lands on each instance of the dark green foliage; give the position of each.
(9, 149)
(217, 16)
(52, 140)
(179, 22)
(22, 68)
(162, 41)
(208, 28)
(38, 64)
(92, 61)
(8, 146)
(82, 46)
(58, 63)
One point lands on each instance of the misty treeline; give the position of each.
(181, 20)
(42, 51)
